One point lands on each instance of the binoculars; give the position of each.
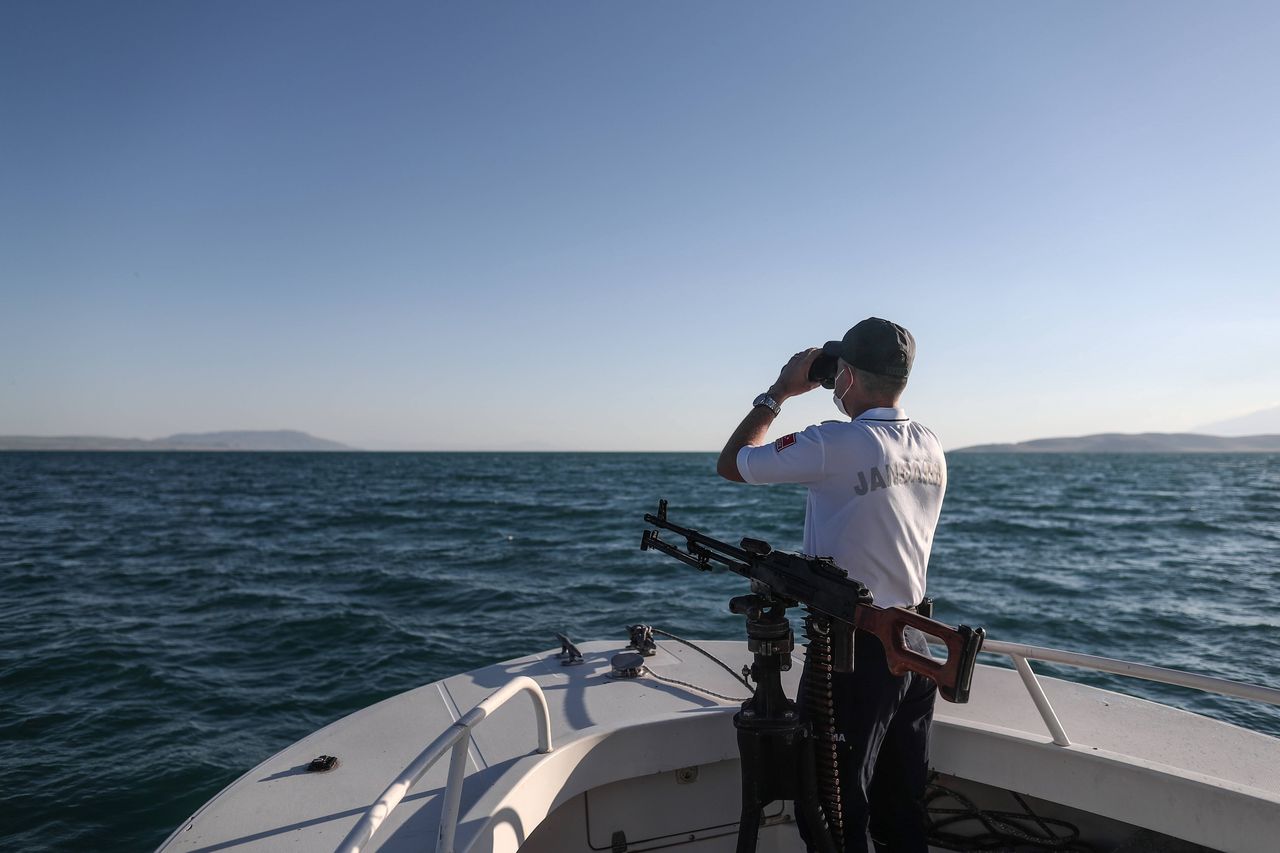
(823, 370)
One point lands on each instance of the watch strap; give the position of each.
(767, 402)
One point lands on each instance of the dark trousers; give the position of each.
(882, 725)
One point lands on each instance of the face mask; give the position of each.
(836, 395)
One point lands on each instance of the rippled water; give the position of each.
(169, 620)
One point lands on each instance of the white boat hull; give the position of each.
(657, 762)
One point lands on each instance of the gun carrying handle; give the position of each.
(952, 677)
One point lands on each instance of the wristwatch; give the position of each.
(768, 402)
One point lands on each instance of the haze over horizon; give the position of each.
(1255, 424)
(602, 226)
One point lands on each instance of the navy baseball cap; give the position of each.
(876, 346)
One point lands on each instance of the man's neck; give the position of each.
(860, 407)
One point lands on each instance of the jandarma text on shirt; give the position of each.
(898, 474)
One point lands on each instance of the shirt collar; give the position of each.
(883, 414)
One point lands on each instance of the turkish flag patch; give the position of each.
(784, 442)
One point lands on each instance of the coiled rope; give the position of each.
(1000, 830)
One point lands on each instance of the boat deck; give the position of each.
(1132, 760)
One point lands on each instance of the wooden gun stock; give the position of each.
(963, 644)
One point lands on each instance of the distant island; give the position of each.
(237, 440)
(1145, 442)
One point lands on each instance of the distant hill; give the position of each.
(1146, 442)
(1255, 423)
(283, 439)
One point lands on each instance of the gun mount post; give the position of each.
(773, 740)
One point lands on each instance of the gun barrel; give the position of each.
(699, 538)
(697, 555)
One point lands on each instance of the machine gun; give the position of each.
(790, 754)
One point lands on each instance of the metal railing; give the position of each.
(1021, 653)
(456, 737)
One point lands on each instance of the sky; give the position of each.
(606, 225)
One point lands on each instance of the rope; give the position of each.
(722, 664)
(700, 689)
(1002, 828)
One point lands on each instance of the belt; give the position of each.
(925, 606)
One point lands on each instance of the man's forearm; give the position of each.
(794, 379)
(750, 433)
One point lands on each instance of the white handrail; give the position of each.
(1043, 705)
(456, 737)
(1021, 653)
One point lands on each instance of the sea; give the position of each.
(169, 620)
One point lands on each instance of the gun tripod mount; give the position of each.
(773, 740)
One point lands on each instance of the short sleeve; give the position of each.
(795, 458)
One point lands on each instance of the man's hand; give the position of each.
(794, 378)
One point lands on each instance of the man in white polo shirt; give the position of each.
(875, 491)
